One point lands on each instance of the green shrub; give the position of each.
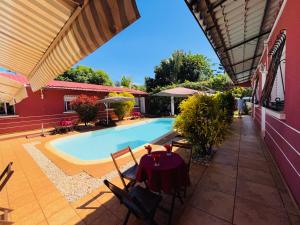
(122, 109)
(226, 103)
(201, 122)
(86, 108)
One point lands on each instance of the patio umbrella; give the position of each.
(108, 100)
(177, 92)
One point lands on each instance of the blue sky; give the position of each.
(164, 26)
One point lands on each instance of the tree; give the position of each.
(126, 81)
(84, 74)
(86, 108)
(121, 109)
(180, 67)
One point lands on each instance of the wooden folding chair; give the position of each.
(187, 147)
(130, 173)
(4, 177)
(139, 201)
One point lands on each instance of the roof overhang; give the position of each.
(236, 30)
(42, 39)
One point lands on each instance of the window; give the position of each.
(273, 91)
(67, 102)
(6, 109)
(137, 102)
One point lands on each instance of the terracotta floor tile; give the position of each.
(255, 176)
(218, 182)
(227, 170)
(32, 218)
(215, 203)
(106, 218)
(295, 220)
(262, 194)
(253, 164)
(54, 207)
(225, 159)
(62, 216)
(252, 213)
(193, 216)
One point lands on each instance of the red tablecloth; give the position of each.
(171, 173)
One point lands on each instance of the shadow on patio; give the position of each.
(241, 186)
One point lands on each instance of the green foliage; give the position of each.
(126, 81)
(121, 109)
(84, 74)
(86, 108)
(226, 103)
(201, 122)
(241, 91)
(180, 67)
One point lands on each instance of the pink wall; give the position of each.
(33, 111)
(283, 136)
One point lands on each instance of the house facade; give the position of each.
(276, 94)
(46, 107)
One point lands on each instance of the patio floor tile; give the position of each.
(248, 212)
(192, 216)
(262, 194)
(215, 203)
(255, 176)
(219, 182)
(227, 170)
(253, 164)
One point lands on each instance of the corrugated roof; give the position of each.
(237, 30)
(74, 85)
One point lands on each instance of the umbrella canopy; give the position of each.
(42, 39)
(11, 91)
(177, 92)
(116, 99)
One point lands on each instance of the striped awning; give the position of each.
(11, 91)
(41, 39)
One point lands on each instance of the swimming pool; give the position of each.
(97, 145)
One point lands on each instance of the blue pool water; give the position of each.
(97, 145)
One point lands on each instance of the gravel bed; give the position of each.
(72, 187)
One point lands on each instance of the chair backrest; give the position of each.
(118, 154)
(5, 175)
(125, 199)
(186, 146)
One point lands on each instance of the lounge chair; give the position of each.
(139, 201)
(128, 174)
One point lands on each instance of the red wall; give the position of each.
(33, 111)
(283, 136)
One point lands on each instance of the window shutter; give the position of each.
(276, 53)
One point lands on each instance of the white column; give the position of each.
(172, 106)
(142, 105)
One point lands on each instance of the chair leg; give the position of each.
(172, 208)
(127, 217)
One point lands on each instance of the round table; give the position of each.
(171, 174)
